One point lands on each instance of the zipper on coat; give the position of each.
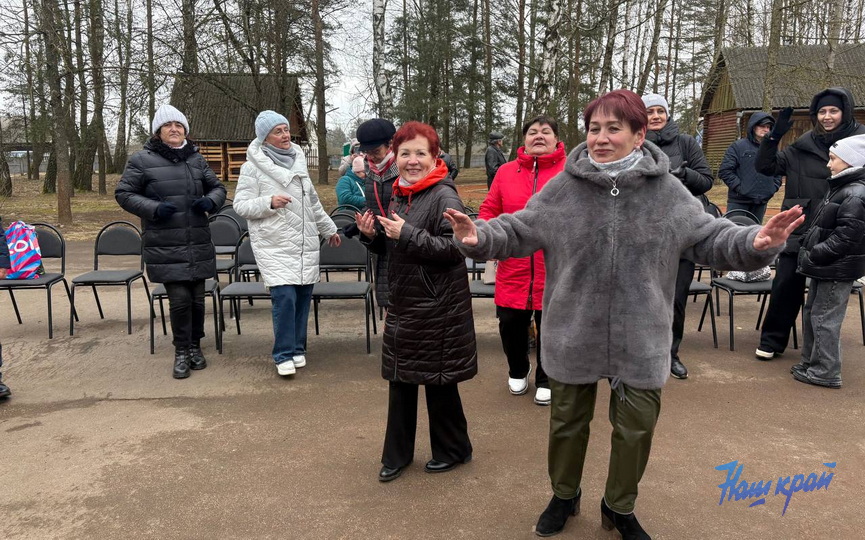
(529, 300)
(395, 349)
(190, 185)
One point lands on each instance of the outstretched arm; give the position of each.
(776, 231)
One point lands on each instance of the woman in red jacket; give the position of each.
(520, 282)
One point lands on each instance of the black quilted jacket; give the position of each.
(429, 335)
(179, 247)
(834, 246)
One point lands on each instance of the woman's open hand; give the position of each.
(392, 227)
(776, 231)
(463, 226)
(365, 223)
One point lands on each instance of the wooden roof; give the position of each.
(223, 106)
(802, 68)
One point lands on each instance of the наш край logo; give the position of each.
(733, 488)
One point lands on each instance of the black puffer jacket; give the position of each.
(804, 163)
(681, 148)
(737, 170)
(429, 335)
(179, 247)
(834, 246)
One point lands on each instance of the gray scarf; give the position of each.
(614, 168)
(283, 158)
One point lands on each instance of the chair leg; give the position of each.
(237, 315)
(730, 307)
(50, 315)
(862, 315)
(215, 320)
(150, 324)
(98, 303)
(162, 316)
(712, 318)
(129, 308)
(703, 315)
(315, 311)
(69, 297)
(372, 311)
(72, 310)
(760, 314)
(15, 305)
(366, 315)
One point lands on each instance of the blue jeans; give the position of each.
(290, 317)
(824, 312)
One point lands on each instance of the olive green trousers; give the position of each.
(633, 414)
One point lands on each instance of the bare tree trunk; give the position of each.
(653, 47)
(51, 34)
(607, 66)
(835, 23)
(546, 75)
(96, 42)
(190, 45)
(320, 103)
(573, 136)
(471, 81)
(36, 131)
(772, 55)
(720, 26)
(521, 75)
(124, 56)
(5, 175)
(150, 76)
(488, 65)
(382, 88)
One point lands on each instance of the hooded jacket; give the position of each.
(520, 281)
(349, 190)
(683, 150)
(738, 171)
(429, 335)
(612, 262)
(177, 248)
(834, 246)
(804, 163)
(285, 241)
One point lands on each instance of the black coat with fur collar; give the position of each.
(177, 248)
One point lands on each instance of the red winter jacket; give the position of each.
(520, 282)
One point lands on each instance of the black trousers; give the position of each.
(680, 301)
(186, 311)
(448, 429)
(1, 361)
(788, 291)
(514, 331)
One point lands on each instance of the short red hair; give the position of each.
(410, 130)
(624, 105)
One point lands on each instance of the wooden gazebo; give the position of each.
(221, 109)
(734, 89)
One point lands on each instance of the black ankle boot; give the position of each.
(181, 364)
(4, 390)
(196, 357)
(626, 524)
(553, 520)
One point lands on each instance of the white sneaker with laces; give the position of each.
(286, 368)
(519, 387)
(543, 396)
(299, 360)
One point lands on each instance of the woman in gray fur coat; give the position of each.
(613, 216)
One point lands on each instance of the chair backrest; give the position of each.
(118, 238)
(345, 209)
(349, 253)
(51, 244)
(742, 217)
(224, 230)
(243, 254)
(713, 209)
(229, 210)
(342, 220)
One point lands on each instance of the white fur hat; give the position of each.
(166, 113)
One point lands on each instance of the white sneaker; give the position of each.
(519, 387)
(543, 396)
(764, 355)
(299, 360)
(286, 368)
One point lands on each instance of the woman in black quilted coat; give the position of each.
(170, 187)
(429, 336)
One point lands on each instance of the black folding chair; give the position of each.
(228, 210)
(225, 232)
(239, 289)
(52, 246)
(118, 238)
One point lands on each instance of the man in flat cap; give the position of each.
(494, 158)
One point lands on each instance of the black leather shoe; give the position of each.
(678, 369)
(196, 357)
(433, 466)
(626, 524)
(181, 364)
(553, 520)
(4, 391)
(386, 474)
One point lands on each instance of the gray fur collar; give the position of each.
(653, 165)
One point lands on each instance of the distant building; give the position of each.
(221, 109)
(734, 89)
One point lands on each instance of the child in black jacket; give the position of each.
(833, 256)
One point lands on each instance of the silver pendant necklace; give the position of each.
(615, 191)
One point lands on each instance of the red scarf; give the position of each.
(439, 172)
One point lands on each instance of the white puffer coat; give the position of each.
(285, 241)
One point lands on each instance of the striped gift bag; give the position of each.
(24, 253)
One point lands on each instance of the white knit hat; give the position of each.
(166, 113)
(654, 100)
(358, 164)
(851, 150)
(266, 121)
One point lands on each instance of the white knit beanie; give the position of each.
(654, 100)
(851, 150)
(266, 121)
(166, 113)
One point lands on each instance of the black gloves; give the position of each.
(680, 171)
(203, 205)
(782, 124)
(165, 210)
